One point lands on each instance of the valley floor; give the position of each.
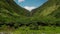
(26, 30)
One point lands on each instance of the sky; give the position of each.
(30, 4)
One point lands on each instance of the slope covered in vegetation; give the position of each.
(48, 12)
(11, 12)
(13, 15)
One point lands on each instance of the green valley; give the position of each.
(44, 19)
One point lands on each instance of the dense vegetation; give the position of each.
(48, 13)
(13, 15)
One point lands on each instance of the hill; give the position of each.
(48, 13)
(11, 12)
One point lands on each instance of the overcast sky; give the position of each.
(30, 4)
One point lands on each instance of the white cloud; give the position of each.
(29, 8)
(20, 1)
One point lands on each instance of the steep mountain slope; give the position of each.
(11, 12)
(13, 7)
(47, 8)
(48, 13)
(56, 13)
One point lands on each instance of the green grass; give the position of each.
(42, 30)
